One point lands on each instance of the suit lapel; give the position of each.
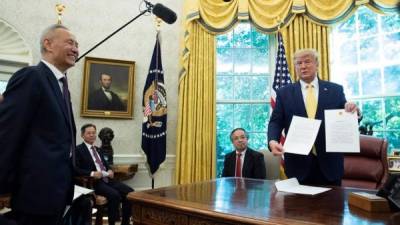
(55, 87)
(88, 156)
(246, 162)
(322, 98)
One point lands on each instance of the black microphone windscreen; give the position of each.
(164, 13)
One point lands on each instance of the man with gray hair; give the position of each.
(37, 133)
(308, 97)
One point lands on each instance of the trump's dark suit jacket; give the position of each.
(289, 103)
(253, 165)
(35, 142)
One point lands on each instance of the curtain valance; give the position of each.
(269, 15)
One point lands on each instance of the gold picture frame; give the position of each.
(108, 88)
(394, 163)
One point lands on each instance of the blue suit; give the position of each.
(36, 140)
(289, 103)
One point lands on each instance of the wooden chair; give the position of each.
(5, 201)
(100, 201)
(369, 168)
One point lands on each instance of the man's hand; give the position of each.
(110, 174)
(352, 107)
(97, 174)
(276, 148)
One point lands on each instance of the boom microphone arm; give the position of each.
(158, 9)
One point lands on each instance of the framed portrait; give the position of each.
(394, 163)
(108, 88)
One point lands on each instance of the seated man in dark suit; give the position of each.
(243, 161)
(90, 162)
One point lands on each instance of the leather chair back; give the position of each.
(272, 165)
(369, 168)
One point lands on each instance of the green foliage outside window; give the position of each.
(243, 87)
(3, 85)
(366, 61)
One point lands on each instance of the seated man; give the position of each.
(90, 162)
(243, 161)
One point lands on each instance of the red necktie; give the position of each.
(99, 162)
(238, 170)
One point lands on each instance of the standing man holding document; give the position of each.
(308, 98)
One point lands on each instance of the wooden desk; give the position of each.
(245, 201)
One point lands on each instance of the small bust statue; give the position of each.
(106, 135)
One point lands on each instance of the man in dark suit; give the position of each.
(243, 161)
(318, 167)
(90, 162)
(37, 133)
(105, 99)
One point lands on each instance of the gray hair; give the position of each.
(307, 51)
(47, 33)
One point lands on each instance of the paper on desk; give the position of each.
(292, 186)
(341, 131)
(301, 135)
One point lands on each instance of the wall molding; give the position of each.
(13, 48)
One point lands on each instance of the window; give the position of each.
(3, 85)
(243, 87)
(366, 61)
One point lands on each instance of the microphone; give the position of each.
(164, 13)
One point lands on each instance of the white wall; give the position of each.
(91, 21)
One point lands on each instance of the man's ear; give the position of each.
(47, 45)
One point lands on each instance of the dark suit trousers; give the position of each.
(80, 212)
(116, 193)
(29, 219)
(5, 221)
(316, 177)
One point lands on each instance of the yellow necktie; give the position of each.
(311, 106)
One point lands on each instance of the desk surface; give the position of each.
(246, 201)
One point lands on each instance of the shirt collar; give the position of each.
(314, 83)
(89, 146)
(105, 90)
(57, 73)
(242, 152)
